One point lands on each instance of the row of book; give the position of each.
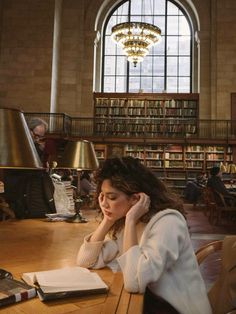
(121, 102)
(155, 112)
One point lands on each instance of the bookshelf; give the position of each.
(116, 113)
(101, 151)
(176, 164)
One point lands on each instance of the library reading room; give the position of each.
(118, 156)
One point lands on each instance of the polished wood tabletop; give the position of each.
(36, 245)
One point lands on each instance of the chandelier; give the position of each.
(136, 38)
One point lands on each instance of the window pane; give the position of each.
(159, 21)
(183, 26)
(159, 7)
(146, 66)
(184, 85)
(172, 9)
(123, 9)
(158, 84)
(172, 25)
(109, 68)
(172, 66)
(121, 66)
(148, 19)
(136, 18)
(119, 51)
(136, 7)
(121, 83)
(134, 84)
(184, 45)
(158, 66)
(110, 46)
(109, 84)
(171, 85)
(146, 84)
(184, 66)
(172, 45)
(159, 48)
(134, 71)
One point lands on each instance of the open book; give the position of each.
(65, 282)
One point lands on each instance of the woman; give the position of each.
(143, 228)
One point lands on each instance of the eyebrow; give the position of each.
(110, 193)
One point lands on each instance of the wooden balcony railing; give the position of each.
(65, 125)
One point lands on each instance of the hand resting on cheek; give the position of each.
(140, 207)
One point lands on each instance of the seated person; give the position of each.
(216, 184)
(143, 229)
(86, 184)
(193, 188)
(201, 179)
(87, 187)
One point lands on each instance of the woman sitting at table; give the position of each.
(144, 229)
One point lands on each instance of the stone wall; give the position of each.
(26, 53)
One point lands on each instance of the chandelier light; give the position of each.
(136, 39)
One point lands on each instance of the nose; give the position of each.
(104, 202)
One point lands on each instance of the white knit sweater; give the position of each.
(163, 260)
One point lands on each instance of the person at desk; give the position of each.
(30, 192)
(143, 228)
(193, 188)
(216, 184)
(86, 184)
(87, 188)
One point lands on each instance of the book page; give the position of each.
(29, 278)
(84, 282)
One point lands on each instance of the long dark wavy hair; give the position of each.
(129, 175)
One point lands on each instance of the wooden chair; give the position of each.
(210, 207)
(208, 249)
(202, 253)
(228, 210)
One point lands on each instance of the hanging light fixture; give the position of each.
(136, 38)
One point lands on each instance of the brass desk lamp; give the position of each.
(17, 149)
(78, 155)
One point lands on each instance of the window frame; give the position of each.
(166, 55)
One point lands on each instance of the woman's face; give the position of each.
(115, 204)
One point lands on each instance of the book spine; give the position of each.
(25, 295)
(18, 297)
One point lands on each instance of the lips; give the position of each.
(107, 213)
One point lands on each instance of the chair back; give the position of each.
(222, 294)
(210, 207)
(208, 249)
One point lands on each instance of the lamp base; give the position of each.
(77, 218)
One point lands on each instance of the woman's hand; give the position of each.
(139, 209)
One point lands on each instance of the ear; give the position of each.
(134, 198)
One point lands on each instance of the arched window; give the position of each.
(167, 67)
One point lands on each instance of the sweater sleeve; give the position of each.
(145, 263)
(96, 254)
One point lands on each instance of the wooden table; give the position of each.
(37, 245)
